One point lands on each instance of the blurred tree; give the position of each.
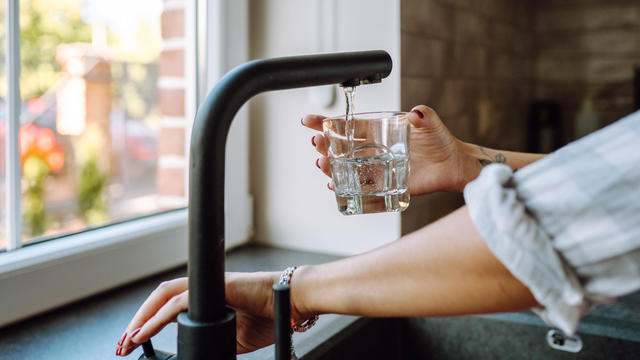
(43, 25)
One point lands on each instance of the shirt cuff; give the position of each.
(516, 239)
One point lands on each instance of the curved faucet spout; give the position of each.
(206, 176)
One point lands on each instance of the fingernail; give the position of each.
(418, 112)
(302, 121)
(318, 163)
(118, 352)
(134, 333)
(313, 141)
(124, 336)
(329, 185)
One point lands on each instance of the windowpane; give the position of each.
(3, 123)
(99, 97)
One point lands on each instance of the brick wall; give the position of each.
(587, 46)
(472, 62)
(172, 162)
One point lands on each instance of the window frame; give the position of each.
(46, 275)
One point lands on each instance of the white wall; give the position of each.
(293, 207)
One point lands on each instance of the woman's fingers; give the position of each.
(165, 291)
(424, 117)
(323, 164)
(313, 121)
(167, 313)
(320, 143)
(158, 298)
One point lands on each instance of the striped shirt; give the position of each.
(568, 225)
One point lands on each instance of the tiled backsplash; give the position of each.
(481, 64)
(587, 46)
(472, 62)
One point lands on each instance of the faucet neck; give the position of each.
(208, 318)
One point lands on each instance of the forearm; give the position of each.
(442, 269)
(481, 156)
(475, 157)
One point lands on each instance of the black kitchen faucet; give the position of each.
(207, 330)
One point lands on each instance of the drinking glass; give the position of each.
(369, 161)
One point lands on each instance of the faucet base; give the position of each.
(207, 340)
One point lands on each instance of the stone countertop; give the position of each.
(620, 320)
(89, 329)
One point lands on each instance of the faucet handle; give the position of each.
(282, 321)
(150, 354)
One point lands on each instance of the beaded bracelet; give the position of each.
(285, 279)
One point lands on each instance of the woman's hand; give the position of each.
(249, 294)
(439, 161)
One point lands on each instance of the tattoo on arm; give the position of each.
(499, 158)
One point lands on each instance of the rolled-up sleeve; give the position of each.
(568, 225)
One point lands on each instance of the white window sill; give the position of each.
(47, 275)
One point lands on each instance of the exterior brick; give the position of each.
(171, 102)
(171, 63)
(172, 141)
(172, 23)
(171, 181)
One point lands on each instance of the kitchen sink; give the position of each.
(606, 333)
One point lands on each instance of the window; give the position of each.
(92, 133)
(104, 129)
(102, 114)
(3, 127)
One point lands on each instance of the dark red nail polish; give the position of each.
(418, 112)
(313, 141)
(124, 336)
(329, 185)
(118, 352)
(318, 163)
(134, 333)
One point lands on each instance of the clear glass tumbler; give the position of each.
(370, 163)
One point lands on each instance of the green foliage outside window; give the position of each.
(36, 171)
(91, 202)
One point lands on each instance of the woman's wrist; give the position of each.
(472, 161)
(300, 305)
(478, 157)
